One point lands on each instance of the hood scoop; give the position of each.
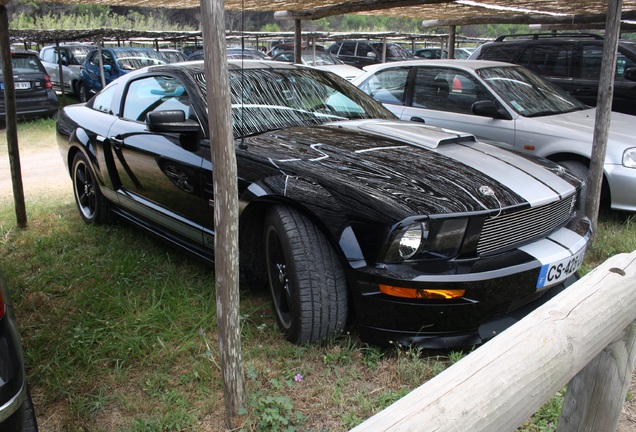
(409, 132)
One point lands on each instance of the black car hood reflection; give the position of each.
(405, 173)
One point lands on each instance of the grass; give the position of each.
(120, 333)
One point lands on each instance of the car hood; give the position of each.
(407, 168)
(579, 126)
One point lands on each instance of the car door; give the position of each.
(160, 174)
(443, 97)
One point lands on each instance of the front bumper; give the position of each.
(499, 290)
(622, 182)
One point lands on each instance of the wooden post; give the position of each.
(451, 42)
(603, 110)
(596, 395)
(298, 40)
(11, 119)
(226, 269)
(60, 70)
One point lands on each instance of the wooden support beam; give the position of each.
(524, 19)
(350, 7)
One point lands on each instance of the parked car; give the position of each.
(436, 53)
(34, 94)
(364, 53)
(509, 104)
(72, 56)
(233, 53)
(289, 46)
(172, 55)
(117, 61)
(321, 60)
(429, 237)
(570, 60)
(16, 407)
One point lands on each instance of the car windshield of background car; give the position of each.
(528, 94)
(77, 55)
(264, 100)
(133, 60)
(25, 64)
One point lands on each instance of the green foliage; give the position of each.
(271, 27)
(274, 413)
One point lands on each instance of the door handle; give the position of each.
(418, 119)
(116, 142)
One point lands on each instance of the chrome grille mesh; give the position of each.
(504, 231)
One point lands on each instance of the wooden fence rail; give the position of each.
(501, 384)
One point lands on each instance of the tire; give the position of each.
(305, 276)
(30, 423)
(580, 171)
(92, 205)
(83, 93)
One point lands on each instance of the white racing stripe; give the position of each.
(536, 184)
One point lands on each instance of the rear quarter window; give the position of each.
(504, 53)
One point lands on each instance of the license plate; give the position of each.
(556, 272)
(18, 85)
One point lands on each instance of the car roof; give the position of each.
(455, 63)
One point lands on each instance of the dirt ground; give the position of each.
(44, 173)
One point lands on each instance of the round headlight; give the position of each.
(411, 240)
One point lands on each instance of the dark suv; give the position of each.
(364, 53)
(570, 60)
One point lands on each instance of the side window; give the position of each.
(387, 86)
(94, 59)
(499, 52)
(591, 61)
(47, 55)
(156, 93)
(107, 59)
(623, 62)
(348, 48)
(364, 49)
(334, 48)
(104, 99)
(432, 89)
(554, 60)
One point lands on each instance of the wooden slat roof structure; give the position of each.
(450, 12)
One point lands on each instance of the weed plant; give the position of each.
(120, 333)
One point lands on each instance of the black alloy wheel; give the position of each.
(92, 205)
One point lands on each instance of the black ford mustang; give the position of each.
(424, 236)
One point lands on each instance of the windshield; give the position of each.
(77, 54)
(393, 50)
(527, 93)
(25, 63)
(270, 99)
(137, 59)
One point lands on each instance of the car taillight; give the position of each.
(47, 82)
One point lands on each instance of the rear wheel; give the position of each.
(92, 205)
(306, 279)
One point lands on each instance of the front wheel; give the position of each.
(84, 94)
(580, 171)
(92, 205)
(306, 279)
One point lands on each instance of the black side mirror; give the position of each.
(488, 108)
(173, 121)
(630, 74)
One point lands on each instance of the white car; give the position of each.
(322, 60)
(513, 106)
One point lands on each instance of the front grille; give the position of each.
(507, 230)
